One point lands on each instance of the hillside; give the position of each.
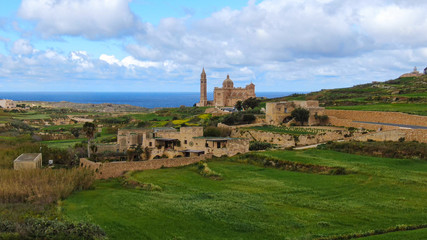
(408, 94)
(102, 107)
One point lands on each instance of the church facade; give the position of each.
(228, 95)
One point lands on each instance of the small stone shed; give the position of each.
(28, 161)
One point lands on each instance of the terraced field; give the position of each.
(253, 202)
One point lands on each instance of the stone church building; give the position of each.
(228, 95)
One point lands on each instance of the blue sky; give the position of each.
(160, 45)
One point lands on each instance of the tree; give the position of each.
(75, 132)
(94, 149)
(250, 103)
(211, 132)
(89, 129)
(147, 153)
(300, 115)
(238, 106)
(248, 118)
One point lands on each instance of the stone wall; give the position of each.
(116, 169)
(107, 147)
(419, 135)
(287, 140)
(349, 123)
(376, 116)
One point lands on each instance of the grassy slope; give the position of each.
(63, 144)
(407, 95)
(412, 108)
(258, 203)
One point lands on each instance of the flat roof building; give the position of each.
(28, 161)
(7, 104)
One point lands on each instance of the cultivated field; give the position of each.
(253, 202)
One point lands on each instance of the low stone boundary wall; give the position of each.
(288, 140)
(349, 123)
(107, 147)
(116, 169)
(419, 135)
(222, 125)
(377, 116)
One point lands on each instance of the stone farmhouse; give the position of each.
(28, 161)
(171, 143)
(228, 95)
(280, 112)
(7, 104)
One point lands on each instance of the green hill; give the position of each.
(408, 94)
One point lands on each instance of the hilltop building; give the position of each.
(169, 142)
(414, 73)
(228, 95)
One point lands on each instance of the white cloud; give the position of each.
(81, 58)
(279, 44)
(22, 47)
(298, 39)
(395, 24)
(93, 19)
(128, 62)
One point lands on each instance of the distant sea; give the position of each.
(142, 99)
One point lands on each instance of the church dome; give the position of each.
(228, 83)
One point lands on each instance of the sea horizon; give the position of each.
(140, 99)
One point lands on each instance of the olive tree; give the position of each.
(300, 115)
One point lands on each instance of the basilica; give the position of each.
(228, 95)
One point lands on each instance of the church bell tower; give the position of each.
(203, 87)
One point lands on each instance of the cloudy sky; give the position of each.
(162, 45)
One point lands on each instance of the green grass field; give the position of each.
(262, 203)
(31, 115)
(412, 108)
(63, 144)
(64, 127)
(287, 130)
(150, 117)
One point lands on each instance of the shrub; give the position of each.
(35, 228)
(300, 115)
(248, 118)
(115, 120)
(250, 103)
(211, 132)
(238, 118)
(17, 124)
(205, 171)
(231, 119)
(260, 160)
(128, 181)
(383, 149)
(323, 119)
(42, 186)
(374, 232)
(216, 132)
(256, 145)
